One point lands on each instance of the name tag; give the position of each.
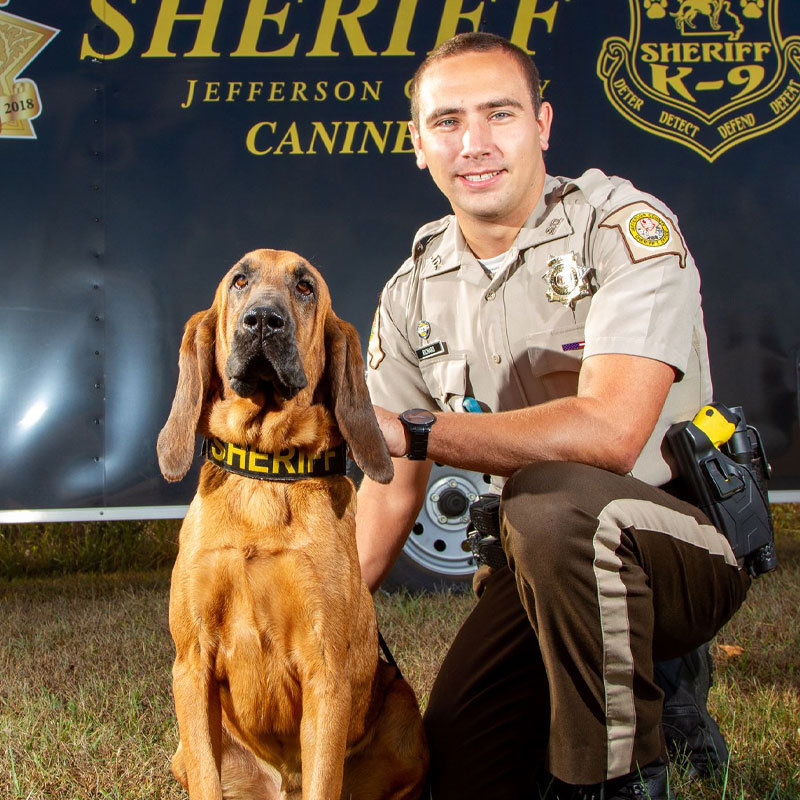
(430, 350)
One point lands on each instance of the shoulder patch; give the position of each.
(646, 232)
(649, 229)
(375, 352)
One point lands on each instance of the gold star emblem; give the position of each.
(567, 280)
(21, 40)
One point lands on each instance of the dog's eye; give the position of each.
(305, 288)
(240, 281)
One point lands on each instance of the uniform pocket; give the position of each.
(446, 379)
(555, 359)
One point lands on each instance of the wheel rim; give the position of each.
(437, 542)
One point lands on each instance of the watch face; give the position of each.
(418, 416)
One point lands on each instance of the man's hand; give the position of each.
(393, 431)
(606, 425)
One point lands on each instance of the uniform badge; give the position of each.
(423, 329)
(649, 229)
(567, 280)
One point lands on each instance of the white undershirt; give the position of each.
(491, 265)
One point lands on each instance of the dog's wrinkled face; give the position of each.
(272, 338)
(273, 302)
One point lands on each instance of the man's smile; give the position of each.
(481, 177)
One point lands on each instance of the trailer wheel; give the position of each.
(436, 554)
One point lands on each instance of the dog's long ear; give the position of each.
(195, 369)
(351, 404)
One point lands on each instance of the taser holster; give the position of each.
(724, 468)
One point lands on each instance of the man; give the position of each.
(552, 306)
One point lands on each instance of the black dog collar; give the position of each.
(286, 465)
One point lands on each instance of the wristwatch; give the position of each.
(418, 422)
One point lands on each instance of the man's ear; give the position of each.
(544, 121)
(416, 140)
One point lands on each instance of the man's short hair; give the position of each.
(477, 42)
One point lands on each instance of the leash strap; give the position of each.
(388, 653)
(286, 465)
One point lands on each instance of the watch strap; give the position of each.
(418, 442)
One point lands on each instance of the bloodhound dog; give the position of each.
(279, 691)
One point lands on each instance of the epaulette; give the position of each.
(421, 244)
(595, 186)
(422, 239)
(428, 232)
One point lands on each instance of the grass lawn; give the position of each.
(86, 710)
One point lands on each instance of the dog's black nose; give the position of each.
(265, 319)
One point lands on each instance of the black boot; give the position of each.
(690, 731)
(647, 783)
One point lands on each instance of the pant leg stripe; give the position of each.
(612, 601)
(617, 654)
(649, 516)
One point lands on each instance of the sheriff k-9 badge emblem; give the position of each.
(706, 73)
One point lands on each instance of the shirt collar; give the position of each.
(548, 221)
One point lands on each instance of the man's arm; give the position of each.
(606, 425)
(385, 516)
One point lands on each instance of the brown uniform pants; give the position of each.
(554, 666)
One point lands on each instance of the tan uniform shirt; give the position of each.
(599, 267)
